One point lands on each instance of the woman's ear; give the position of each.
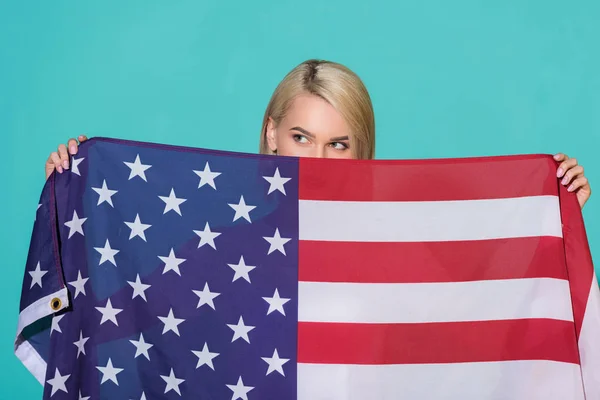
(271, 137)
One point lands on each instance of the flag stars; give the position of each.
(137, 228)
(82, 397)
(276, 303)
(75, 165)
(105, 194)
(139, 288)
(242, 210)
(172, 263)
(58, 382)
(55, 327)
(141, 347)
(109, 313)
(109, 373)
(171, 323)
(205, 296)
(36, 276)
(240, 330)
(207, 237)
(275, 363)
(241, 270)
(207, 177)
(107, 253)
(137, 168)
(276, 242)
(172, 382)
(239, 390)
(276, 182)
(205, 357)
(79, 285)
(172, 202)
(81, 344)
(75, 225)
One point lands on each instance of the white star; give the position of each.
(172, 263)
(81, 344)
(105, 194)
(75, 165)
(141, 347)
(83, 398)
(137, 228)
(137, 168)
(55, 323)
(58, 382)
(79, 285)
(172, 202)
(75, 225)
(276, 182)
(239, 390)
(276, 303)
(242, 210)
(109, 372)
(143, 396)
(207, 237)
(107, 253)
(207, 176)
(172, 382)
(275, 363)
(139, 288)
(109, 313)
(171, 323)
(206, 296)
(241, 270)
(240, 330)
(205, 357)
(36, 276)
(276, 242)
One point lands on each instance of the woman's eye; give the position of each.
(339, 145)
(300, 139)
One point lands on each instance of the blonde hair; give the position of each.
(337, 85)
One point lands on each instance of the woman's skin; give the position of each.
(313, 128)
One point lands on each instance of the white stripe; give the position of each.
(30, 358)
(514, 380)
(434, 302)
(589, 343)
(425, 221)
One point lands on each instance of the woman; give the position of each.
(322, 109)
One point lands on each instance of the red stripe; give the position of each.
(580, 267)
(368, 262)
(427, 180)
(526, 339)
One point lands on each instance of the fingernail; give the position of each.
(72, 149)
(556, 157)
(59, 169)
(564, 181)
(559, 172)
(570, 189)
(66, 164)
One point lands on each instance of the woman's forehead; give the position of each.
(316, 116)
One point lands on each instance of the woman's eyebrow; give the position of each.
(307, 133)
(304, 131)
(339, 138)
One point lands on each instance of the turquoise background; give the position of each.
(448, 79)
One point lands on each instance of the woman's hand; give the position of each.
(59, 160)
(572, 177)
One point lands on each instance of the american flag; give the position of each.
(165, 272)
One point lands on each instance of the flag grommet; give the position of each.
(55, 304)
